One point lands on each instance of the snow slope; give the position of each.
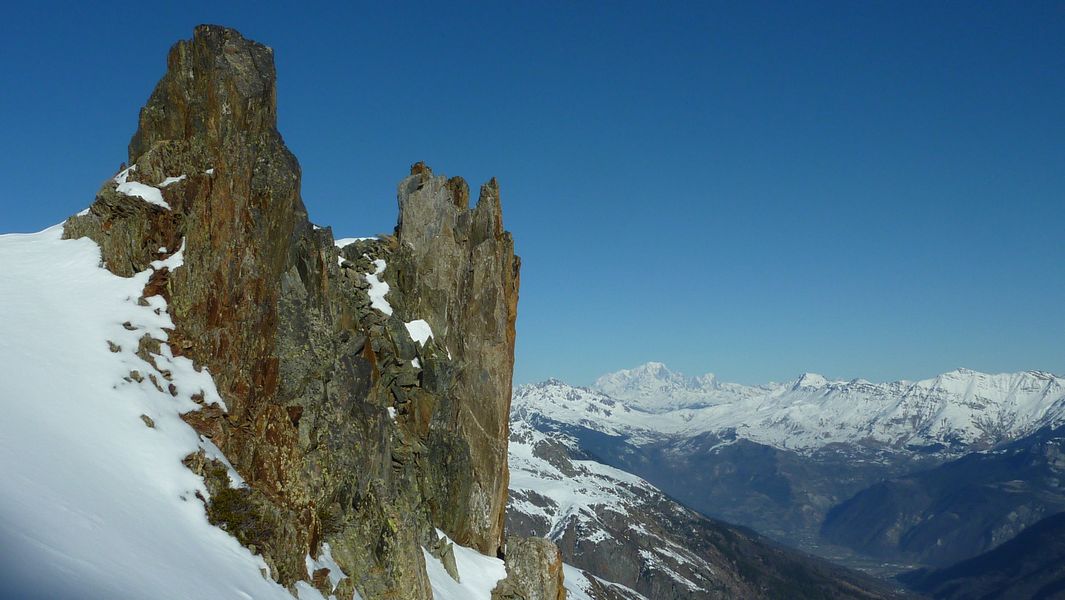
(96, 503)
(959, 410)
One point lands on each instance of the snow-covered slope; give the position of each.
(96, 502)
(959, 410)
(586, 500)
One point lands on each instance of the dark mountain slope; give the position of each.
(959, 509)
(1031, 565)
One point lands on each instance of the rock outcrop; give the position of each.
(457, 269)
(347, 430)
(534, 571)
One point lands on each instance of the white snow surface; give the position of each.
(96, 504)
(478, 574)
(653, 388)
(172, 180)
(582, 497)
(419, 331)
(591, 499)
(579, 585)
(960, 409)
(378, 288)
(325, 561)
(148, 193)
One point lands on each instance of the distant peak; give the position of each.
(811, 380)
(706, 379)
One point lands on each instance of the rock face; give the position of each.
(534, 571)
(457, 268)
(346, 429)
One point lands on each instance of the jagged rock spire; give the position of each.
(345, 430)
(218, 84)
(460, 273)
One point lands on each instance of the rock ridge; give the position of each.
(350, 434)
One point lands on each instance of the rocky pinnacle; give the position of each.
(346, 430)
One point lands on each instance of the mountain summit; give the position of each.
(653, 388)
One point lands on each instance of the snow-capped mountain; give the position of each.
(653, 388)
(779, 457)
(956, 411)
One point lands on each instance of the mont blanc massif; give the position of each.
(208, 395)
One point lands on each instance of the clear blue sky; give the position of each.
(862, 189)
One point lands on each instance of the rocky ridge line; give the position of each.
(346, 430)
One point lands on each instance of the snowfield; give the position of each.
(97, 503)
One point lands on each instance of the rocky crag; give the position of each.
(357, 419)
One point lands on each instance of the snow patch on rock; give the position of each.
(148, 193)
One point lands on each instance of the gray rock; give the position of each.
(534, 571)
(457, 270)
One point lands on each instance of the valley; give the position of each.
(881, 478)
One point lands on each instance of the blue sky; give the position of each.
(866, 189)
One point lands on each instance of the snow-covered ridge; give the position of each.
(959, 409)
(594, 501)
(97, 500)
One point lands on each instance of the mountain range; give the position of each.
(635, 542)
(954, 412)
(884, 477)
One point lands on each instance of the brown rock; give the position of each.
(307, 369)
